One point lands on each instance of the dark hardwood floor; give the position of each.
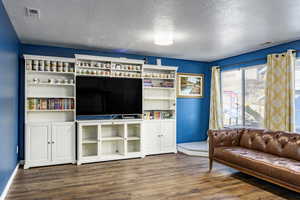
(170, 176)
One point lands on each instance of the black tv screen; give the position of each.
(106, 96)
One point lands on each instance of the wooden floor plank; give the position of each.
(170, 176)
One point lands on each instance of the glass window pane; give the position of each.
(232, 98)
(255, 96)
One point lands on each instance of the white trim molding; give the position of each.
(194, 148)
(6, 189)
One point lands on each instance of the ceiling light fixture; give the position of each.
(163, 38)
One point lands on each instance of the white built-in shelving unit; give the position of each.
(159, 109)
(108, 139)
(49, 110)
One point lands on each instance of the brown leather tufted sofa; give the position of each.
(269, 155)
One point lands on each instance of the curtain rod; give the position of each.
(257, 59)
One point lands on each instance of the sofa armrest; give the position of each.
(223, 137)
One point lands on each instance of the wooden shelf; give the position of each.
(159, 119)
(93, 75)
(110, 156)
(50, 72)
(67, 110)
(89, 141)
(125, 70)
(125, 77)
(111, 138)
(160, 98)
(133, 138)
(49, 58)
(98, 68)
(159, 67)
(50, 97)
(50, 84)
(159, 78)
(160, 88)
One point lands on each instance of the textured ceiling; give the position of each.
(203, 30)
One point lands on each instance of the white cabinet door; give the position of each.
(151, 137)
(168, 143)
(38, 143)
(63, 142)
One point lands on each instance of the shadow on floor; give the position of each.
(264, 185)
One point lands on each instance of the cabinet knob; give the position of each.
(49, 142)
(53, 142)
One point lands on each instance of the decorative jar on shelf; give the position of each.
(36, 80)
(28, 64)
(51, 80)
(71, 69)
(29, 67)
(66, 67)
(53, 66)
(41, 65)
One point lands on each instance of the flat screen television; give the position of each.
(108, 96)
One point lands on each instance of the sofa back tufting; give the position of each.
(279, 143)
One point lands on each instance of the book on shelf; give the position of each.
(158, 83)
(147, 115)
(50, 104)
(157, 115)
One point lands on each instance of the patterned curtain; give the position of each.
(280, 92)
(216, 110)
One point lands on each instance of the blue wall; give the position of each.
(192, 114)
(256, 55)
(9, 49)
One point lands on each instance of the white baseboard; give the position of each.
(22, 162)
(5, 191)
(192, 153)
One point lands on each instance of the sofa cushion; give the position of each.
(277, 167)
(226, 137)
(277, 143)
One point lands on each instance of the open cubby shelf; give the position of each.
(106, 141)
(133, 131)
(112, 131)
(115, 147)
(133, 146)
(89, 149)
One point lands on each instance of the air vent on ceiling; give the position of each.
(33, 13)
(266, 43)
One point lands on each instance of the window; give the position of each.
(232, 97)
(243, 94)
